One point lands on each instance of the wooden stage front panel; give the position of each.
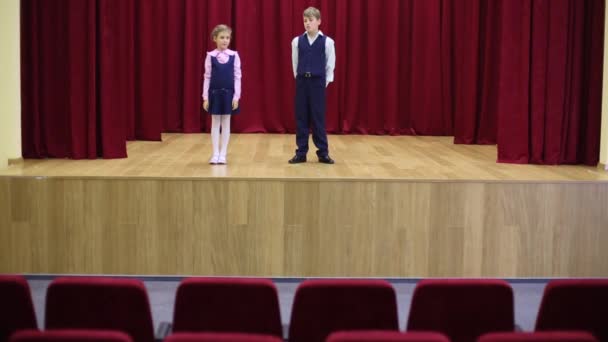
(303, 228)
(259, 216)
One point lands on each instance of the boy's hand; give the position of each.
(206, 105)
(235, 104)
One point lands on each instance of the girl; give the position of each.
(221, 90)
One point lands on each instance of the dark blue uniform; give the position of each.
(221, 87)
(310, 95)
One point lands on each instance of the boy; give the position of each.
(314, 58)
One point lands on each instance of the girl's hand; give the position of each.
(235, 104)
(206, 105)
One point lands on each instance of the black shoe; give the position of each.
(297, 159)
(325, 160)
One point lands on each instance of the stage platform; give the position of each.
(391, 207)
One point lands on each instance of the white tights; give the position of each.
(216, 122)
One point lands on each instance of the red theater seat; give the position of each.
(544, 336)
(462, 309)
(221, 337)
(575, 304)
(16, 308)
(227, 305)
(100, 303)
(324, 306)
(70, 336)
(386, 336)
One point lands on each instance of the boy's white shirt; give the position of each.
(330, 56)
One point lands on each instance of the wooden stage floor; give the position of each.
(264, 156)
(390, 207)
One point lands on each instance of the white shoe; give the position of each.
(214, 159)
(221, 160)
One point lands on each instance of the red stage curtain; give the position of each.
(525, 74)
(550, 63)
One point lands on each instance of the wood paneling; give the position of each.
(402, 206)
(301, 228)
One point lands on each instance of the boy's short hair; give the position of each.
(219, 29)
(312, 12)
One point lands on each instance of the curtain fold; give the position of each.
(522, 74)
(550, 80)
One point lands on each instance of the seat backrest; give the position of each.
(221, 337)
(324, 306)
(16, 308)
(539, 336)
(462, 309)
(70, 336)
(575, 304)
(227, 305)
(386, 336)
(100, 303)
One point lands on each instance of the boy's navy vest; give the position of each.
(311, 58)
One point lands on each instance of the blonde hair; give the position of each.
(219, 29)
(312, 12)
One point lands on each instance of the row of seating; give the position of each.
(461, 309)
(342, 336)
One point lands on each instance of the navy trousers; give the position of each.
(310, 113)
